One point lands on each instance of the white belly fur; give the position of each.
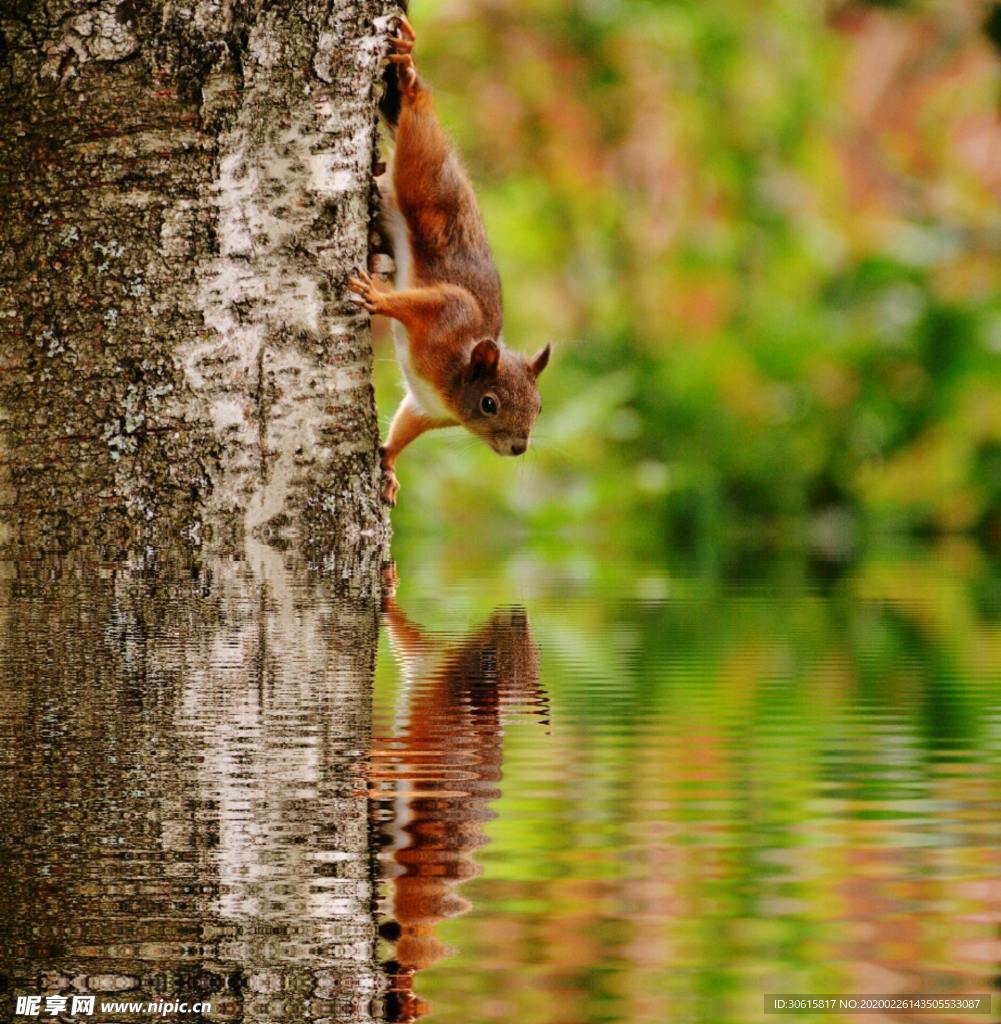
(422, 393)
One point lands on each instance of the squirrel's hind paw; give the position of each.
(407, 72)
(402, 57)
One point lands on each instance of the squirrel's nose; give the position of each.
(518, 448)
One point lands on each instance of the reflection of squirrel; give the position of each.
(447, 301)
(443, 766)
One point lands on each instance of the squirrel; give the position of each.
(446, 306)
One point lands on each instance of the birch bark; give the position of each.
(186, 187)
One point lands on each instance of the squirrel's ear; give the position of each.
(541, 360)
(483, 360)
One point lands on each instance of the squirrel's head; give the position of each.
(499, 395)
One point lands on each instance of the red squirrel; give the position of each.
(447, 303)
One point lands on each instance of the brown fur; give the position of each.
(450, 755)
(453, 300)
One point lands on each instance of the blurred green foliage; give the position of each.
(764, 240)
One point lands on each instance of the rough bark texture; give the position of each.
(186, 186)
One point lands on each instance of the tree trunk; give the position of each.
(186, 187)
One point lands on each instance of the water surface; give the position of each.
(552, 786)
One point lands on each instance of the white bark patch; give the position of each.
(327, 181)
(270, 501)
(93, 35)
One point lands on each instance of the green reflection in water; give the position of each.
(751, 779)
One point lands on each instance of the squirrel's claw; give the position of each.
(390, 488)
(403, 44)
(405, 28)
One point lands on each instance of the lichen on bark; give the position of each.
(187, 187)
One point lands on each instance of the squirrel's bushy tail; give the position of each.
(390, 103)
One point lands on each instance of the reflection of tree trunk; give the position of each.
(185, 188)
(434, 781)
(182, 791)
(282, 759)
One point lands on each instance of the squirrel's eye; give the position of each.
(489, 405)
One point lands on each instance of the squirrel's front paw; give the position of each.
(364, 287)
(390, 487)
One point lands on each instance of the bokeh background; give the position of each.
(764, 238)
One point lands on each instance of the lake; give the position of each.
(544, 782)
